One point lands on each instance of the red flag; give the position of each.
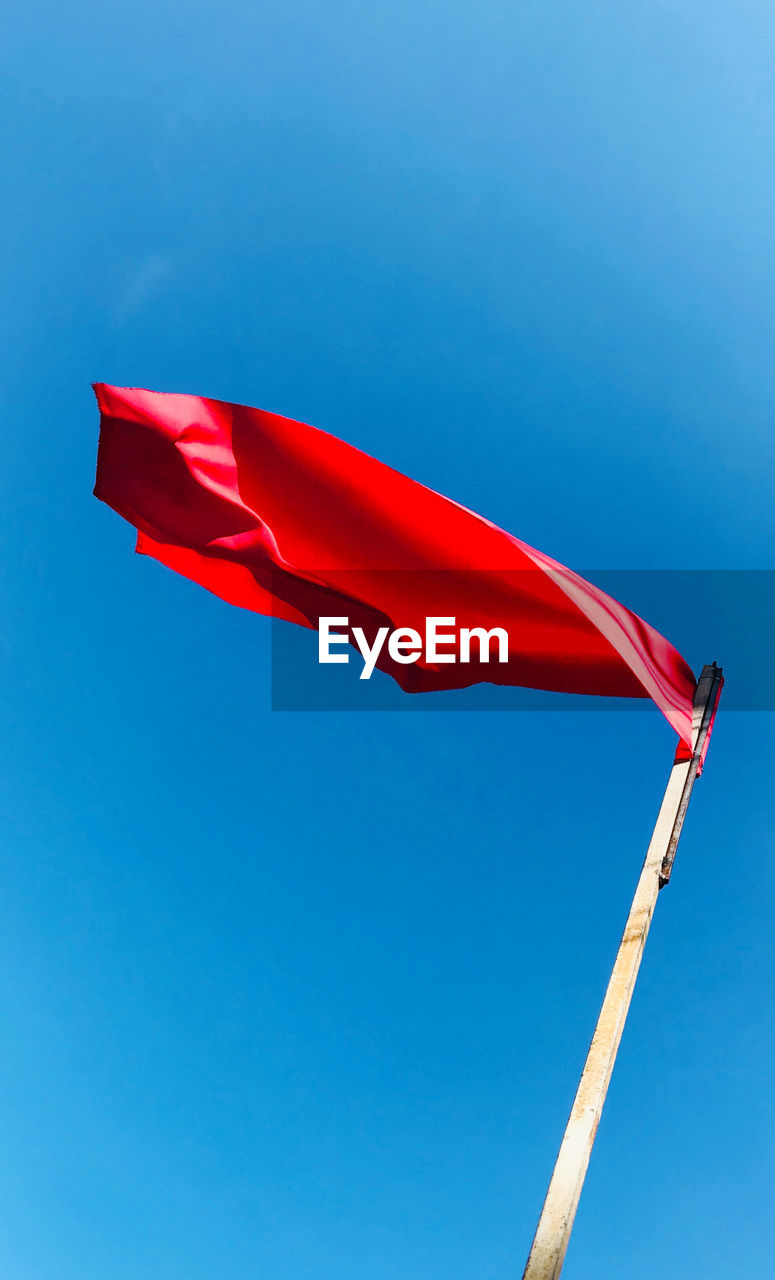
(284, 519)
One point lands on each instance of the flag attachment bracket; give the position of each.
(705, 704)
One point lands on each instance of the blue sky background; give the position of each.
(305, 996)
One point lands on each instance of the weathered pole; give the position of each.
(556, 1222)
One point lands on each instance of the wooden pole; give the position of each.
(556, 1222)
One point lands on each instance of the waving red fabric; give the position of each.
(284, 519)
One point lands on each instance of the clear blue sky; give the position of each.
(304, 996)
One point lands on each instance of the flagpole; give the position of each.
(556, 1222)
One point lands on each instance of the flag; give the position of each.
(284, 519)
